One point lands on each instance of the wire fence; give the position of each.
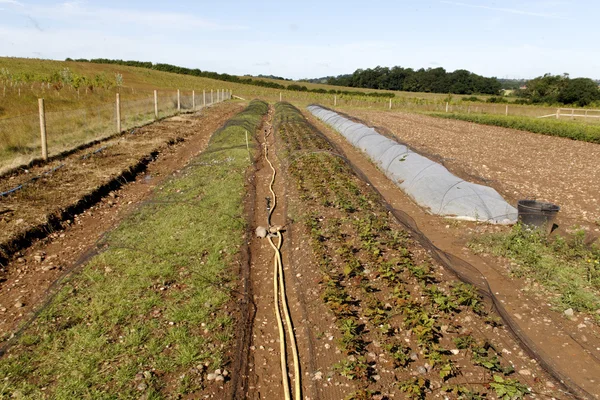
(21, 137)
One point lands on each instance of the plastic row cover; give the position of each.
(430, 184)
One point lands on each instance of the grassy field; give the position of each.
(568, 129)
(146, 316)
(78, 114)
(567, 267)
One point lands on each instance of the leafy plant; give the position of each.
(400, 354)
(354, 368)
(508, 389)
(415, 387)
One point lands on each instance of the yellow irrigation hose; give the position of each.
(282, 350)
(279, 289)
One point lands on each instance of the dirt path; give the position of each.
(573, 347)
(516, 163)
(313, 325)
(28, 278)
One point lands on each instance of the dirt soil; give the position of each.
(516, 163)
(571, 346)
(26, 280)
(313, 325)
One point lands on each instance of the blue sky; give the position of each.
(296, 39)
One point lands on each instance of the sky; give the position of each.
(309, 39)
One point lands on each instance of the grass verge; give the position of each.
(567, 267)
(150, 315)
(550, 127)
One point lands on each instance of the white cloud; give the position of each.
(81, 12)
(505, 10)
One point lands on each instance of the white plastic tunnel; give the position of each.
(428, 183)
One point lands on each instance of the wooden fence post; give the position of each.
(446, 106)
(335, 100)
(390, 103)
(156, 104)
(178, 100)
(557, 113)
(43, 130)
(280, 96)
(118, 113)
(193, 99)
(211, 96)
(506, 110)
(203, 97)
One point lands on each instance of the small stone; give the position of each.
(38, 258)
(47, 268)
(455, 351)
(142, 386)
(318, 376)
(581, 326)
(421, 370)
(261, 232)
(376, 377)
(569, 312)
(225, 373)
(19, 304)
(211, 377)
(219, 378)
(217, 372)
(525, 372)
(550, 385)
(3, 309)
(147, 374)
(414, 356)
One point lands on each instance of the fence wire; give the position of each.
(20, 136)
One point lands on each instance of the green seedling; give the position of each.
(355, 368)
(508, 389)
(415, 387)
(400, 354)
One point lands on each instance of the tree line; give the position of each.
(431, 80)
(225, 77)
(561, 89)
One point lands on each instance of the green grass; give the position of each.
(567, 267)
(551, 127)
(152, 303)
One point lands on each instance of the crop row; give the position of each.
(384, 290)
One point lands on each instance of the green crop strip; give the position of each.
(148, 315)
(550, 127)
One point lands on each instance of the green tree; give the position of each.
(580, 91)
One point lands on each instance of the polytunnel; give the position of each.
(428, 183)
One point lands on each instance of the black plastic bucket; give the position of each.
(537, 214)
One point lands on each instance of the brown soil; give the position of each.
(26, 281)
(516, 163)
(571, 346)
